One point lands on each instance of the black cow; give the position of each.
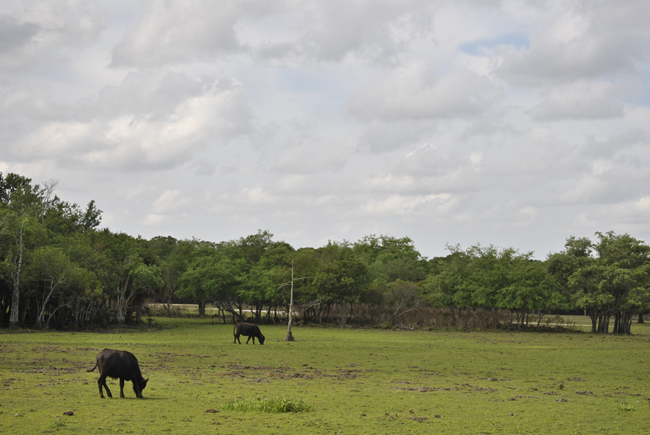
(119, 364)
(248, 329)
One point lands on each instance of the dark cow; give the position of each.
(119, 364)
(252, 331)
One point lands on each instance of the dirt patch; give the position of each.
(426, 389)
(49, 348)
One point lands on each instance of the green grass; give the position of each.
(267, 405)
(354, 381)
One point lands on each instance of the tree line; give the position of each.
(58, 269)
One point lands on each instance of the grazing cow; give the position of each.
(248, 329)
(119, 364)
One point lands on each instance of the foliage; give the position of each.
(58, 269)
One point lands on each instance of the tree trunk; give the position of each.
(201, 308)
(47, 322)
(15, 296)
(122, 302)
(289, 336)
(594, 321)
(640, 318)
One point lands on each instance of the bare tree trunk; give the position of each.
(39, 319)
(47, 322)
(122, 301)
(289, 336)
(15, 296)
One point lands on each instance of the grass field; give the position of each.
(353, 381)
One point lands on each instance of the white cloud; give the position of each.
(152, 132)
(403, 205)
(584, 41)
(170, 200)
(416, 92)
(580, 101)
(644, 203)
(511, 123)
(44, 28)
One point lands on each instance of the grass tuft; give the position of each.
(267, 405)
(625, 407)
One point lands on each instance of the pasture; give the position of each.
(352, 380)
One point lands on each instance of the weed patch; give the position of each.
(273, 406)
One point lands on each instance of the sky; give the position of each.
(507, 123)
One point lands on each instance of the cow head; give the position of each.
(261, 338)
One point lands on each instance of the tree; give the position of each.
(147, 280)
(391, 258)
(529, 289)
(341, 281)
(449, 286)
(53, 268)
(11, 183)
(403, 294)
(625, 262)
(213, 278)
(613, 283)
(20, 229)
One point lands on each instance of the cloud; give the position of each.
(587, 41)
(189, 31)
(46, 28)
(180, 31)
(511, 123)
(147, 122)
(14, 36)
(414, 91)
(579, 101)
(376, 30)
(170, 200)
(409, 205)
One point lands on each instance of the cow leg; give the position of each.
(102, 382)
(99, 382)
(237, 339)
(121, 387)
(253, 339)
(249, 339)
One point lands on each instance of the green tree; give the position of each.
(20, 230)
(530, 289)
(341, 281)
(625, 262)
(213, 278)
(449, 286)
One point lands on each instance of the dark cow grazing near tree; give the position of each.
(119, 364)
(252, 331)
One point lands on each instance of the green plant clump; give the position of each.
(274, 406)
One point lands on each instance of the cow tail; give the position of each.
(96, 362)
